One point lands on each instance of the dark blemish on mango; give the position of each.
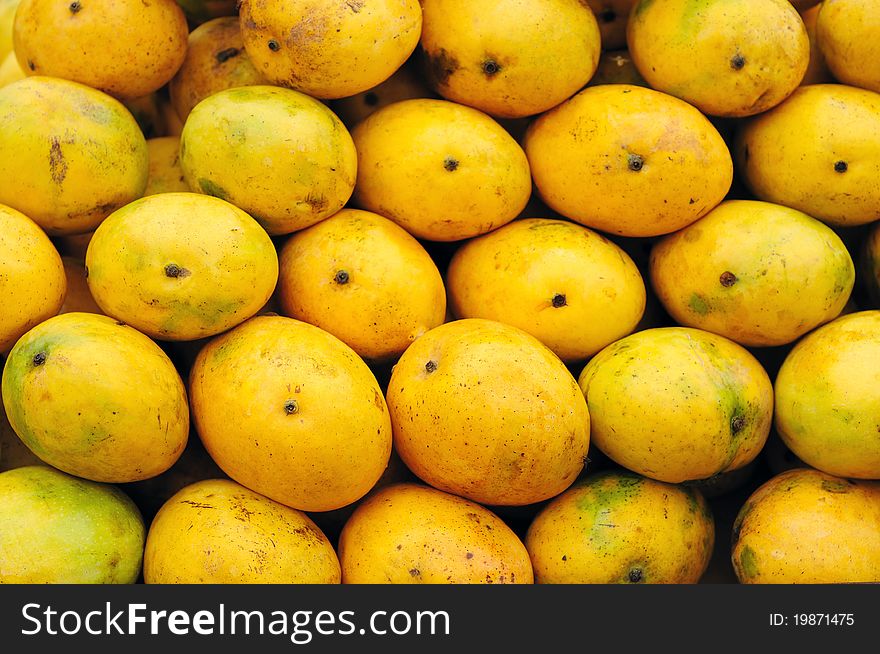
(174, 271)
(833, 486)
(469, 556)
(31, 65)
(317, 203)
(748, 562)
(431, 366)
(414, 572)
(39, 358)
(119, 323)
(225, 55)
(727, 279)
(490, 67)
(635, 162)
(441, 66)
(355, 5)
(371, 99)
(841, 167)
(341, 277)
(559, 300)
(450, 164)
(698, 304)
(635, 575)
(274, 46)
(74, 7)
(210, 188)
(57, 164)
(291, 407)
(737, 62)
(736, 424)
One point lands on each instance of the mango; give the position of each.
(509, 58)
(628, 160)
(96, 399)
(826, 397)
(677, 404)
(58, 529)
(846, 33)
(758, 273)
(807, 527)
(619, 527)
(412, 534)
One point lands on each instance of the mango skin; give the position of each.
(743, 57)
(678, 404)
(125, 48)
(215, 60)
(816, 152)
(807, 527)
(13, 453)
(32, 280)
(619, 527)
(870, 264)
(518, 274)
(58, 529)
(78, 298)
(7, 19)
(817, 70)
(442, 171)
(279, 155)
(226, 266)
(485, 411)
(365, 280)
(509, 58)
(628, 160)
(413, 534)
(96, 399)
(758, 273)
(826, 397)
(69, 155)
(612, 17)
(330, 48)
(166, 175)
(218, 532)
(290, 411)
(10, 71)
(846, 32)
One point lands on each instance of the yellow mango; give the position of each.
(678, 404)
(95, 398)
(330, 48)
(215, 60)
(57, 529)
(126, 48)
(817, 152)
(509, 58)
(69, 155)
(218, 532)
(412, 534)
(7, 20)
(619, 527)
(290, 411)
(365, 280)
(817, 70)
(826, 397)
(279, 155)
(181, 266)
(78, 298)
(628, 160)
(758, 273)
(807, 527)
(32, 280)
(552, 279)
(726, 57)
(484, 410)
(166, 175)
(846, 33)
(442, 171)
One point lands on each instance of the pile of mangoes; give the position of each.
(387, 291)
